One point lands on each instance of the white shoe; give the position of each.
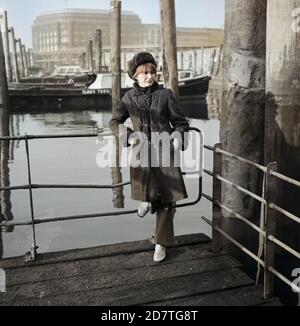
(143, 209)
(160, 253)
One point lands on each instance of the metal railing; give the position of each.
(31, 255)
(270, 212)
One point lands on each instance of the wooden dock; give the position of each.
(124, 274)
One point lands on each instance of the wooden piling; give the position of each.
(16, 72)
(84, 64)
(195, 62)
(5, 39)
(24, 55)
(21, 59)
(90, 55)
(5, 202)
(181, 60)
(115, 32)
(98, 50)
(242, 121)
(202, 60)
(282, 119)
(169, 44)
(4, 98)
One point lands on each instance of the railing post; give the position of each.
(217, 213)
(270, 229)
(31, 255)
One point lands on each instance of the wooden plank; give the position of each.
(102, 251)
(243, 296)
(148, 292)
(31, 274)
(97, 280)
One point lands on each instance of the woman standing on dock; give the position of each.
(153, 110)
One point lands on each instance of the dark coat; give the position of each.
(152, 110)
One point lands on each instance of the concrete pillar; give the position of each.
(242, 121)
(169, 44)
(16, 72)
(282, 137)
(115, 32)
(5, 39)
(98, 50)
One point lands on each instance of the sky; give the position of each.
(189, 13)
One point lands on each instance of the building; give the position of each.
(61, 37)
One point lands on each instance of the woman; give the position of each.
(153, 110)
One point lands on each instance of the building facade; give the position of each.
(62, 37)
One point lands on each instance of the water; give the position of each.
(73, 161)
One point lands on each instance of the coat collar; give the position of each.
(142, 91)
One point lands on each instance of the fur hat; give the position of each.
(139, 59)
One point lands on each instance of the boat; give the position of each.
(93, 91)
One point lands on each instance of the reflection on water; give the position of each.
(73, 161)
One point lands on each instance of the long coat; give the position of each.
(154, 110)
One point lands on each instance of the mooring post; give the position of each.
(242, 120)
(5, 39)
(169, 44)
(98, 50)
(217, 192)
(115, 31)
(16, 72)
(271, 188)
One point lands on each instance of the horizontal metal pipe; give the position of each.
(285, 178)
(67, 218)
(258, 166)
(284, 279)
(76, 186)
(207, 197)
(284, 246)
(242, 189)
(261, 262)
(208, 172)
(210, 148)
(284, 212)
(227, 236)
(240, 217)
(31, 137)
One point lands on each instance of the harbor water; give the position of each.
(73, 161)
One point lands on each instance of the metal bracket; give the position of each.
(31, 255)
